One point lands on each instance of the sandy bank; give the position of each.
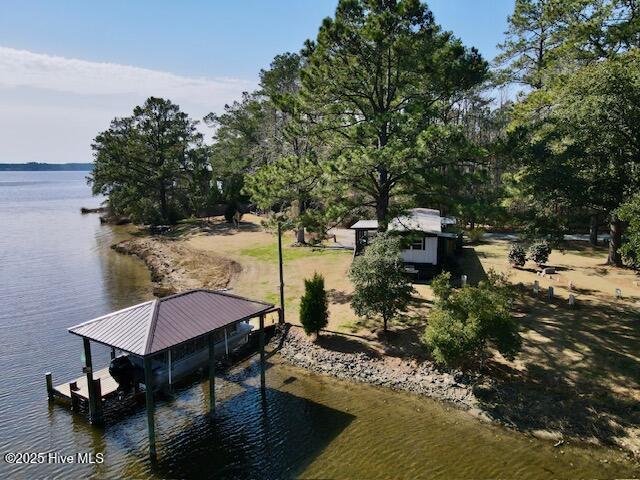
(175, 267)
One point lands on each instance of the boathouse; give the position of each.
(160, 337)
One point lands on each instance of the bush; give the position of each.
(539, 252)
(630, 212)
(475, 235)
(462, 325)
(314, 307)
(381, 286)
(441, 286)
(517, 255)
(230, 211)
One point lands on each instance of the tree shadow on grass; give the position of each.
(338, 296)
(344, 344)
(405, 343)
(470, 265)
(581, 373)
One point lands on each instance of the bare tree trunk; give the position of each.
(593, 230)
(615, 241)
(164, 210)
(298, 209)
(382, 208)
(300, 235)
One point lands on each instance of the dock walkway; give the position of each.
(80, 387)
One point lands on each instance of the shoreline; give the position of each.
(545, 412)
(175, 267)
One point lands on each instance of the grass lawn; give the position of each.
(269, 253)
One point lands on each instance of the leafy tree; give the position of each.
(548, 38)
(381, 286)
(584, 151)
(290, 178)
(539, 252)
(517, 255)
(534, 36)
(152, 165)
(314, 306)
(239, 146)
(629, 212)
(378, 75)
(464, 322)
(441, 286)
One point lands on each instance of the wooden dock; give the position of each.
(80, 387)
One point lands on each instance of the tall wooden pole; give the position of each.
(281, 317)
(49, 381)
(88, 370)
(212, 374)
(262, 356)
(148, 385)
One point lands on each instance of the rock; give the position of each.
(423, 378)
(547, 435)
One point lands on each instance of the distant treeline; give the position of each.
(34, 166)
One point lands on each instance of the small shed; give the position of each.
(430, 246)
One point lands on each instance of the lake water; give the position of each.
(56, 270)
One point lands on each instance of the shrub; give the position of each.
(475, 235)
(230, 211)
(462, 325)
(517, 255)
(381, 286)
(441, 286)
(314, 308)
(539, 252)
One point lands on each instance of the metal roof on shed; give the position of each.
(156, 325)
(365, 225)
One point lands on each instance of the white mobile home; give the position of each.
(430, 246)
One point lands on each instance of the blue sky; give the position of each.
(67, 67)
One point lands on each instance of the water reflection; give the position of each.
(253, 436)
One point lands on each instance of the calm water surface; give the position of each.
(56, 270)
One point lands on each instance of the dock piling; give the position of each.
(97, 391)
(148, 386)
(88, 370)
(262, 356)
(49, 380)
(212, 375)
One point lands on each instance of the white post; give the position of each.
(226, 344)
(572, 300)
(464, 280)
(618, 293)
(536, 287)
(170, 367)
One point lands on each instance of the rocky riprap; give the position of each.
(420, 378)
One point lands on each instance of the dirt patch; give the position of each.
(175, 267)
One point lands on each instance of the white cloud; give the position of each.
(67, 101)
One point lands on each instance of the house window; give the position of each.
(418, 244)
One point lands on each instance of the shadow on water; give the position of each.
(275, 435)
